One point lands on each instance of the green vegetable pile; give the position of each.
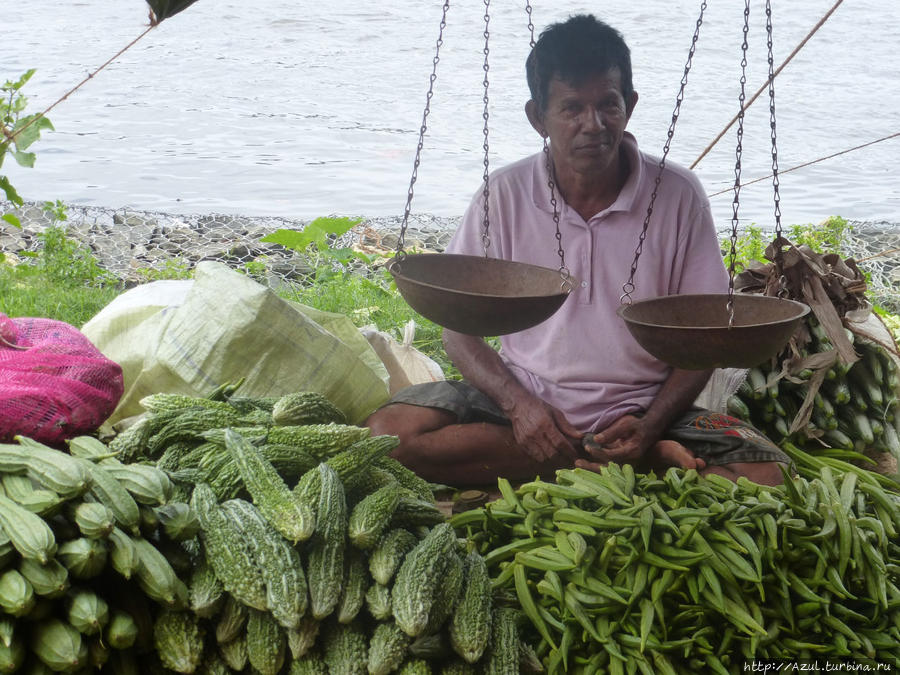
(316, 553)
(90, 551)
(619, 572)
(851, 408)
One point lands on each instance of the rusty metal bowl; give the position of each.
(691, 331)
(476, 295)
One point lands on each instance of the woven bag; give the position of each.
(54, 384)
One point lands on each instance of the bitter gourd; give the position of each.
(418, 578)
(278, 562)
(345, 649)
(353, 591)
(325, 561)
(228, 553)
(306, 407)
(289, 515)
(178, 641)
(387, 648)
(470, 625)
(265, 643)
(388, 554)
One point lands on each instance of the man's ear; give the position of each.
(532, 112)
(629, 106)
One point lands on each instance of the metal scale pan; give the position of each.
(692, 331)
(470, 294)
(700, 332)
(476, 295)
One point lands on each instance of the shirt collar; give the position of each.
(540, 181)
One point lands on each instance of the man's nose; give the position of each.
(594, 120)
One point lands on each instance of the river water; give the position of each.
(298, 109)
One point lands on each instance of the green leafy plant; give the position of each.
(256, 268)
(749, 247)
(17, 133)
(315, 240)
(829, 236)
(64, 260)
(172, 268)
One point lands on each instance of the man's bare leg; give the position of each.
(438, 448)
(764, 473)
(672, 453)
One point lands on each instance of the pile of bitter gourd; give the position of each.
(679, 573)
(316, 552)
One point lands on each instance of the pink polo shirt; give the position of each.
(583, 360)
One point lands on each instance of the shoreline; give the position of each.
(134, 245)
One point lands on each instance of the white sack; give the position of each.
(191, 336)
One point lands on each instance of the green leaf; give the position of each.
(291, 239)
(25, 159)
(27, 133)
(18, 84)
(11, 219)
(10, 191)
(344, 255)
(315, 232)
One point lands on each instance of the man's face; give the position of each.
(585, 124)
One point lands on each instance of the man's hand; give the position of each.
(542, 430)
(628, 440)
(625, 441)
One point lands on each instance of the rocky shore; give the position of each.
(132, 244)
(135, 245)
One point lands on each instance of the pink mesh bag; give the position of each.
(54, 384)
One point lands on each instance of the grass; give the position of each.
(24, 293)
(63, 281)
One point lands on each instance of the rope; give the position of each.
(763, 87)
(84, 81)
(815, 161)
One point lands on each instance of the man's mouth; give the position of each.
(595, 146)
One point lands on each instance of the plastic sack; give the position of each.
(405, 364)
(54, 384)
(722, 384)
(188, 337)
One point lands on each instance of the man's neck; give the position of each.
(589, 194)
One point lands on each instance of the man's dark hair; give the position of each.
(573, 51)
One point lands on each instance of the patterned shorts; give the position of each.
(714, 437)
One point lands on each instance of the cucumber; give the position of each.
(757, 381)
(863, 429)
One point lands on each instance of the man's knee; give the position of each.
(407, 421)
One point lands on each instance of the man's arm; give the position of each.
(541, 430)
(629, 438)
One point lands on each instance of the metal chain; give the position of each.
(400, 254)
(778, 252)
(628, 286)
(485, 225)
(530, 22)
(564, 272)
(738, 149)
